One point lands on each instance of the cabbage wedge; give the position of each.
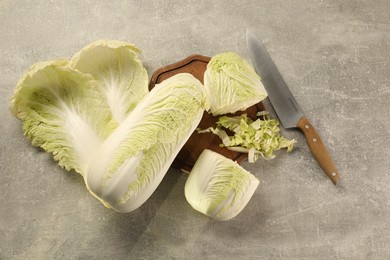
(232, 84)
(219, 187)
(133, 160)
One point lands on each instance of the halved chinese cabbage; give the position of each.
(133, 160)
(232, 84)
(219, 187)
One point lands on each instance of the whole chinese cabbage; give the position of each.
(232, 84)
(134, 159)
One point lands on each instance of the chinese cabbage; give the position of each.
(134, 159)
(232, 84)
(69, 108)
(219, 187)
(119, 72)
(63, 112)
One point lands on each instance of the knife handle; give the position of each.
(319, 150)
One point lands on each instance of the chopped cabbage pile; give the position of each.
(257, 138)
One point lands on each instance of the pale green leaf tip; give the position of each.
(110, 44)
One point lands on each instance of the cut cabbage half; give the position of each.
(219, 187)
(232, 83)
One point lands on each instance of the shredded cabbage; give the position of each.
(257, 138)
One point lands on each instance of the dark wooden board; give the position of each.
(196, 65)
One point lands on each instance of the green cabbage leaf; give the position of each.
(63, 112)
(69, 107)
(116, 67)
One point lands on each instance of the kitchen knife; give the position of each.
(285, 105)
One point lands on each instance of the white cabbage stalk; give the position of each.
(133, 160)
(219, 187)
(232, 83)
(119, 72)
(63, 112)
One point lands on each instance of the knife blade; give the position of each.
(285, 105)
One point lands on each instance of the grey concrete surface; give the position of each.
(334, 54)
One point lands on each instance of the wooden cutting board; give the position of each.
(185, 160)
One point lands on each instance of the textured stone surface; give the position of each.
(335, 55)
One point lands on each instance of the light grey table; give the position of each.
(335, 55)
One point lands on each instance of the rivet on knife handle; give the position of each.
(318, 149)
